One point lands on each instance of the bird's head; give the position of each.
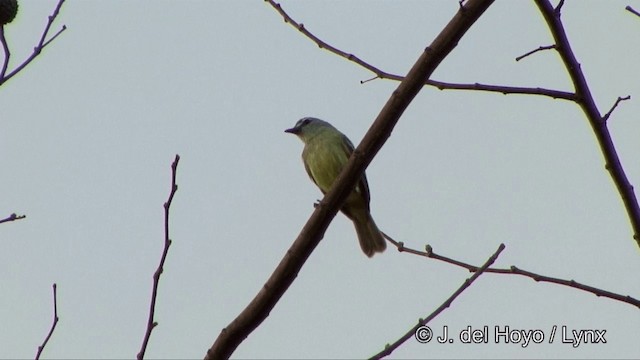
(309, 127)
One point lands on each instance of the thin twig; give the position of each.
(63, 28)
(7, 53)
(370, 79)
(12, 217)
(506, 90)
(589, 107)
(631, 10)
(513, 270)
(151, 323)
(36, 50)
(55, 322)
(292, 262)
(615, 105)
(446, 304)
(541, 48)
(380, 74)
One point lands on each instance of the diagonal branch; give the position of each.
(513, 270)
(380, 74)
(53, 325)
(632, 10)
(285, 273)
(541, 48)
(615, 105)
(390, 348)
(588, 105)
(36, 50)
(151, 323)
(12, 217)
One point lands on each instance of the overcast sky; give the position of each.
(89, 129)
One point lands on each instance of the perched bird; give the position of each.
(326, 152)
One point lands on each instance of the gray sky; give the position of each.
(88, 132)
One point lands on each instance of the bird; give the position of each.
(326, 151)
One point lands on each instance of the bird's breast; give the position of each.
(325, 159)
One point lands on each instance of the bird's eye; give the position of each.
(305, 122)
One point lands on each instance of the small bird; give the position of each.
(326, 152)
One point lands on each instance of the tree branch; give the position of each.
(36, 50)
(505, 90)
(285, 273)
(390, 348)
(588, 105)
(53, 325)
(541, 48)
(7, 53)
(631, 10)
(615, 105)
(513, 270)
(151, 324)
(441, 85)
(12, 217)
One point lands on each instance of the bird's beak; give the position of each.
(293, 130)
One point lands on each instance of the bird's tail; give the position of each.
(371, 240)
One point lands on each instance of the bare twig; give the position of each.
(631, 10)
(7, 53)
(36, 50)
(588, 105)
(541, 48)
(556, 94)
(380, 74)
(390, 348)
(370, 79)
(513, 270)
(615, 105)
(576, 285)
(151, 323)
(53, 325)
(12, 217)
(285, 273)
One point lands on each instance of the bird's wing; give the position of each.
(362, 186)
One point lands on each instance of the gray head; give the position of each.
(309, 126)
